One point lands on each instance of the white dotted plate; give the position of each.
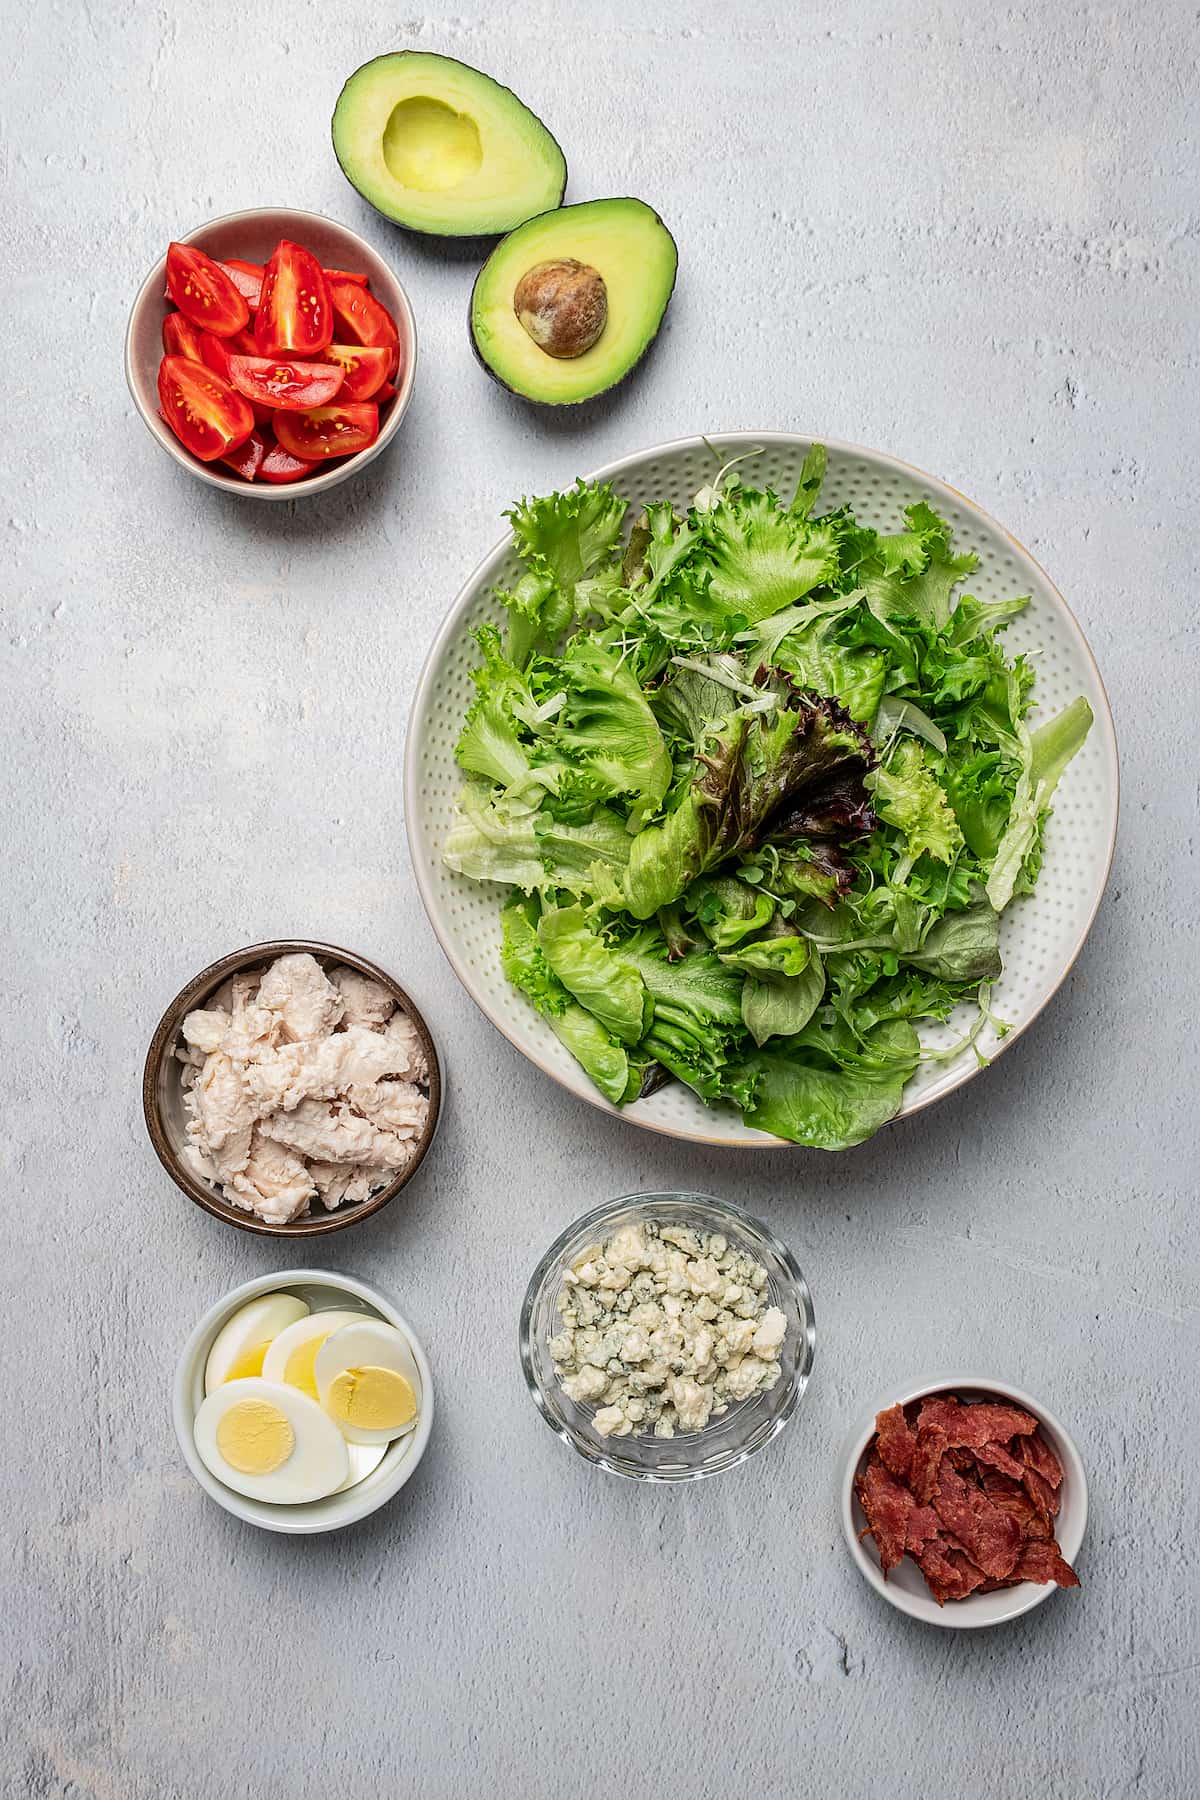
(1040, 936)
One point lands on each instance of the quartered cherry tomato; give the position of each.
(208, 416)
(387, 392)
(203, 291)
(346, 275)
(248, 460)
(246, 277)
(285, 386)
(327, 431)
(361, 319)
(217, 351)
(181, 338)
(365, 367)
(279, 467)
(295, 317)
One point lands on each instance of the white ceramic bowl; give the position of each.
(905, 1587)
(1040, 937)
(322, 1290)
(253, 236)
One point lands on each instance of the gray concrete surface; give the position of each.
(968, 234)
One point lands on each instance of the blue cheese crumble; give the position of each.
(664, 1328)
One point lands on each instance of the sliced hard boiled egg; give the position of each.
(241, 1345)
(293, 1353)
(368, 1381)
(270, 1442)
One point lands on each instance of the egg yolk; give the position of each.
(371, 1398)
(255, 1438)
(300, 1371)
(250, 1362)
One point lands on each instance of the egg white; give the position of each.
(260, 1321)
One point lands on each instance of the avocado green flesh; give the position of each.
(439, 147)
(633, 251)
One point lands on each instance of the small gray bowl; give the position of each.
(253, 236)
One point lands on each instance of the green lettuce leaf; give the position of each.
(497, 840)
(538, 614)
(525, 963)
(812, 479)
(785, 982)
(603, 1059)
(1047, 753)
(963, 946)
(491, 741)
(608, 726)
(776, 957)
(568, 536)
(697, 984)
(830, 1107)
(668, 546)
(980, 788)
(665, 859)
(494, 842)
(782, 1008)
(599, 978)
(914, 571)
(762, 556)
(818, 656)
(728, 910)
(972, 619)
(584, 859)
(907, 794)
(696, 1031)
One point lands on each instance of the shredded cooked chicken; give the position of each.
(301, 1086)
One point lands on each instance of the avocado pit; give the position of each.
(563, 305)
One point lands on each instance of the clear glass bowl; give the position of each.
(724, 1442)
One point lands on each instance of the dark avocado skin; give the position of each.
(419, 230)
(557, 405)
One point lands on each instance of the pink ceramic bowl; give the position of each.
(253, 236)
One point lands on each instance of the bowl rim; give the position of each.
(265, 1514)
(162, 1045)
(739, 1218)
(450, 629)
(1004, 1604)
(151, 289)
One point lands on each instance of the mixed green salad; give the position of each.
(760, 791)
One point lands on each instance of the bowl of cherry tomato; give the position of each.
(271, 353)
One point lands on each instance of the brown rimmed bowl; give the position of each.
(162, 1089)
(252, 236)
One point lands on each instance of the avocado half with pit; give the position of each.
(442, 148)
(570, 301)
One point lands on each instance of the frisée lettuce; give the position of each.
(755, 788)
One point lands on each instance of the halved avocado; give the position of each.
(441, 148)
(570, 301)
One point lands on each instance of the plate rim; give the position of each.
(751, 1139)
